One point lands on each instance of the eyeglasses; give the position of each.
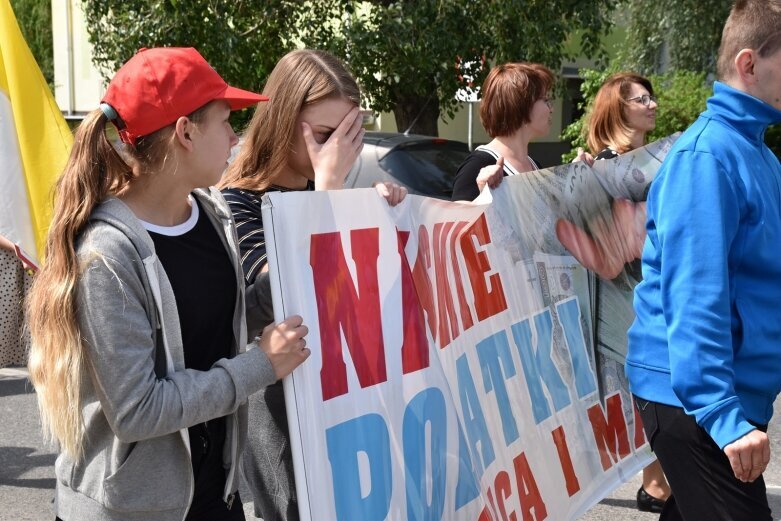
(645, 99)
(548, 101)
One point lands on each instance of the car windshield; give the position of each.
(426, 168)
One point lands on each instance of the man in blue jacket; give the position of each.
(704, 359)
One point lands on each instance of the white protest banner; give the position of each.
(464, 363)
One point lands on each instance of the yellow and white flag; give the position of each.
(34, 141)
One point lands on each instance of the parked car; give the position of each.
(425, 165)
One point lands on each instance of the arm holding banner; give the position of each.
(491, 175)
(6, 244)
(611, 242)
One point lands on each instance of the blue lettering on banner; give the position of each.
(428, 406)
(569, 316)
(367, 434)
(538, 365)
(497, 365)
(466, 488)
(474, 420)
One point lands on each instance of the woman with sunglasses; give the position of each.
(516, 107)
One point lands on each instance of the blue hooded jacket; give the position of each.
(707, 335)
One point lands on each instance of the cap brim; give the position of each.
(240, 99)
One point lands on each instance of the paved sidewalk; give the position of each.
(27, 473)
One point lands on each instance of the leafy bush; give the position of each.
(575, 132)
(681, 96)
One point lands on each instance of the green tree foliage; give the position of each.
(412, 56)
(673, 34)
(241, 39)
(35, 21)
(404, 53)
(773, 139)
(670, 35)
(681, 96)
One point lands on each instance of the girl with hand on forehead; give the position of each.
(307, 138)
(139, 356)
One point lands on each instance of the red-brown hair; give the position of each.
(606, 123)
(509, 93)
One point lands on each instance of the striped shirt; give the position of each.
(246, 207)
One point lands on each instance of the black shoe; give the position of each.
(648, 503)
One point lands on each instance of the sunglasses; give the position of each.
(645, 99)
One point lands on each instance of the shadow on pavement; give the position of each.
(14, 386)
(16, 461)
(620, 503)
(774, 498)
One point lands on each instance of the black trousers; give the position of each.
(699, 473)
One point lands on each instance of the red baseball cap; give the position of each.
(158, 86)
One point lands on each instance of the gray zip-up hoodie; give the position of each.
(137, 397)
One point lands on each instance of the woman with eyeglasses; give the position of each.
(623, 113)
(516, 107)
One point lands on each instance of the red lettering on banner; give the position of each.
(491, 503)
(485, 515)
(610, 434)
(503, 491)
(447, 312)
(441, 314)
(560, 439)
(487, 302)
(528, 492)
(466, 316)
(341, 308)
(414, 348)
(640, 439)
(423, 282)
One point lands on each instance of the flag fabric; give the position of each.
(34, 141)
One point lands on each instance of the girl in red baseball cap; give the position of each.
(139, 352)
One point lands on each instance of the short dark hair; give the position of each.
(752, 24)
(509, 93)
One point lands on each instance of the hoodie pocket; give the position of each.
(154, 477)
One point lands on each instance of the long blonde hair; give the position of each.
(95, 170)
(606, 124)
(300, 78)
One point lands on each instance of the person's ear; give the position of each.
(182, 131)
(744, 66)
